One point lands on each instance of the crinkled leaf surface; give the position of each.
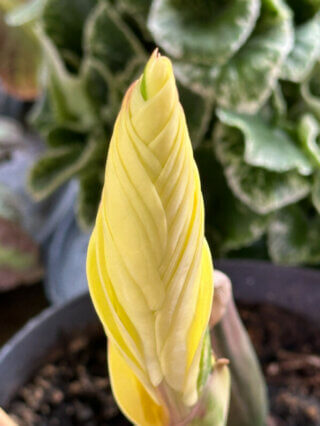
(205, 34)
(199, 78)
(230, 224)
(247, 80)
(308, 130)
(90, 189)
(294, 237)
(41, 116)
(20, 60)
(109, 40)
(102, 89)
(68, 99)
(310, 91)
(266, 146)
(57, 166)
(305, 53)
(137, 9)
(60, 136)
(63, 22)
(261, 190)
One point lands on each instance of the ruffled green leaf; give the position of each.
(207, 34)
(64, 137)
(57, 166)
(109, 40)
(90, 189)
(266, 146)
(247, 80)
(263, 191)
(63, 22)
(102, 89)
(293, 237)
(68, 99)
(200, 78)
(305, 53)
(230, 224)
(315, 193)
(41, 116)
(310, 91)
(308, 131)
(138, 10)
(198, 112)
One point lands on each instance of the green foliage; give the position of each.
(248, 74)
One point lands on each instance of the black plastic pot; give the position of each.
(295, 289)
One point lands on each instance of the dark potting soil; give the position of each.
(288, 347)
(73, 389)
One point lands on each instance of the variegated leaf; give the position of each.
(247, 80)
(294, 237)
(261, 190)
(208, 34)
(266, 146)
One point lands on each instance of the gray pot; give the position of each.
(295, 289)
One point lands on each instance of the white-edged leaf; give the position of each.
(308, 131)
(57, 166)
(68, 98)
(293, 237)
(305, 52)
(137, 9)
(263, 191)
(266, 146)
(109, 40)
(310, 91)
(209, 39)
(64, 22)
(247, 80)
(102, 89)
(200, 78)
(230, 223)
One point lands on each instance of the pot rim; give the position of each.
(253, 282)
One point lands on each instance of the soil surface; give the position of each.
(73, 389)
(288, 347)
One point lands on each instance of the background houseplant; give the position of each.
(265, 66)
(251, 100)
